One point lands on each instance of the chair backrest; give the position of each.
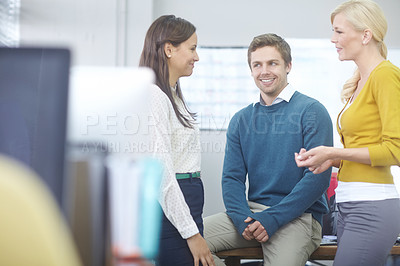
(330, 219)
(32, 228)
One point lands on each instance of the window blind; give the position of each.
(9, 22)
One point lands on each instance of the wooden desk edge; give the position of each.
(323, 252)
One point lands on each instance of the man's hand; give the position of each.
(200, 251)
(255, 231)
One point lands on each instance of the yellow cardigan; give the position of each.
(373, 121)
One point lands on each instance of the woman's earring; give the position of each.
(169, 56)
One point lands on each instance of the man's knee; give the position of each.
(214, 223)
(212, 230)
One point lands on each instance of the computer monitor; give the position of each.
(108, 108)
(33, 108)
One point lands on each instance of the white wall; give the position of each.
(111, 32)
(236, 22)
(213, 150)
(99, 32)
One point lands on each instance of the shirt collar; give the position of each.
(285, 95)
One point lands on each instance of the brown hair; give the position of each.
(166, 29)
(270, 39)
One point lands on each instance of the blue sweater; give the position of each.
(261, 142)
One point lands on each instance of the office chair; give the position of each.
(32, 229)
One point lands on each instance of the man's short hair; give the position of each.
(270, 39)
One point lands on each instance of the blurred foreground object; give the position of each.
(135, 212)
(32, 229)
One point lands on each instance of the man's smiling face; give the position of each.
(269, 72)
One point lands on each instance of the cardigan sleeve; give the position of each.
(386, 92)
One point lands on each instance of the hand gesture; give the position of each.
(317, 159)
(200, 250)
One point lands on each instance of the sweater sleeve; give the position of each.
(317, 130)
(234, 177)
(171, 199)
(386, 93)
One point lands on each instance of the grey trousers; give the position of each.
(291, 245)
(367, 231)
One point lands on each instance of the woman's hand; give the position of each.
(200, 250)
(317, 159)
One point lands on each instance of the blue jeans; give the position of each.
(174, 250)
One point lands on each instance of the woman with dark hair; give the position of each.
(170, 50)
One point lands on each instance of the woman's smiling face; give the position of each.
(347, 40)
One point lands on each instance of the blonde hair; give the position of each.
(362, 15)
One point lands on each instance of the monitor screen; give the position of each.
(108, 108)
(33, 107)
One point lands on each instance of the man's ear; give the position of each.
(289, 67)
(168, 49)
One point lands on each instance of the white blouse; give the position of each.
(178, 148)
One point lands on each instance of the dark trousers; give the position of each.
(174, 250)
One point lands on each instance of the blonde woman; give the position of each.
(369, 127)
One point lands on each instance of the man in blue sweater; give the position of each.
(285, 204)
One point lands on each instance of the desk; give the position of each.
(131, 262)
(233, 257)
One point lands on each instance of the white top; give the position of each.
(179, 150)
(285, 95)
(363, 191)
